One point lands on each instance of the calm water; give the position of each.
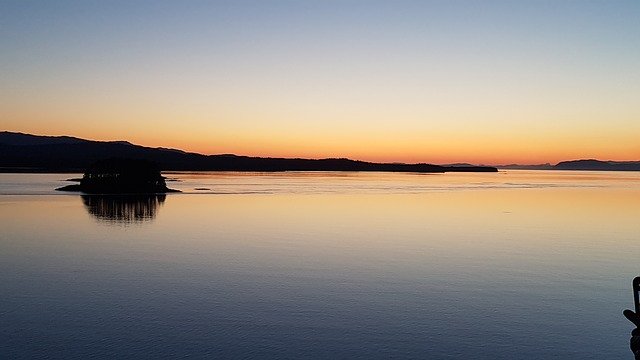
(513, 265)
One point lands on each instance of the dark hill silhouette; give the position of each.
(23, 152)
(585, 164)
(13, 138)
(546, 166)
(592, 164)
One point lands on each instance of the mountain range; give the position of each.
(583, 164)
(34, 153)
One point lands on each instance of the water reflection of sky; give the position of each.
(343, 182)
(487, 273)
(385, 183)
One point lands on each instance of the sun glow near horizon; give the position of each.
(436, 82)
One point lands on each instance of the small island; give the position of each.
(121, 176)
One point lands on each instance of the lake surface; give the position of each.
(508, 265)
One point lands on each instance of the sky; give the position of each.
(484, 82)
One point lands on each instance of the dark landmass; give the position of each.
(546, 166)
(32, 153)
(598, 165)
(588, 164)
(121, 176)
(459, 165)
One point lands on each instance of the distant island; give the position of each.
(32, 153)
(592, 164)
(584, 164)
(121, 176)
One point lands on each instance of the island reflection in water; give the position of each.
(123, 209)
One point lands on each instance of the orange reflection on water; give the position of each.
(564, 216)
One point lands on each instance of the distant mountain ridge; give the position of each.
(26, 152)
(584, 164)
(21, 139)
(592, 164)
(546, 166)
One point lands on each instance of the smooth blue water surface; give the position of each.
(513, 265)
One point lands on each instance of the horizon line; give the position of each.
(498, 165)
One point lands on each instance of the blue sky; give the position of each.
(406, 80)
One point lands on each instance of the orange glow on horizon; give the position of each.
(408, 149)
(315, 80)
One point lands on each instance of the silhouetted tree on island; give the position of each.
(121, 176)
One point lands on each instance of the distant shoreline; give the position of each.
(26, 153)
(499, 169)
(7, 170)
(33, 153)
